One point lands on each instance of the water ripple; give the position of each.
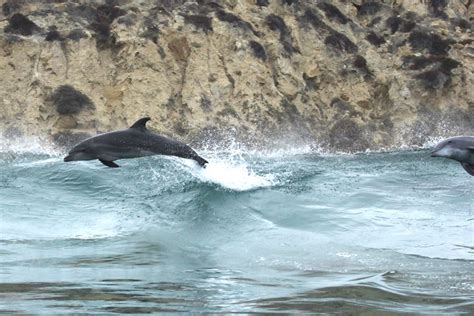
(264, 232)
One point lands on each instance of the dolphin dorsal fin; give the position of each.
(141, 124)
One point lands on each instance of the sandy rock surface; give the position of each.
(347, 75)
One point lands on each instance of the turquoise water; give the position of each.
(284, 231)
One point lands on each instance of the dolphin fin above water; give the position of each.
(468, 167)
(141, 124)
(108, 163)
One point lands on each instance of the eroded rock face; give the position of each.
(349, 75)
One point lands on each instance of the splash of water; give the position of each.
(29, 145)
(233, 174)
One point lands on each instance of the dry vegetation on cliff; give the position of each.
(349, 75)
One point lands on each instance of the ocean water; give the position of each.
(277, 231)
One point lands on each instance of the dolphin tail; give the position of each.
(201, 161)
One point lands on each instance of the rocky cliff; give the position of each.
(348, 75)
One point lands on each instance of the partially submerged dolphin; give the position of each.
(459, 148)
(136, 141)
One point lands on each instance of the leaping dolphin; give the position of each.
(459, 148)
(136, 141)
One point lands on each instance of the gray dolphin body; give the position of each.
(459, 148)
(136, 141)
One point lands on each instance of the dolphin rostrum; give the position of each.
(459, 148)
(136, 141)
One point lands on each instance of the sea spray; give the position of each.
(231, 174)
(29, 145)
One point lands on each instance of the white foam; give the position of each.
(230, 174)
(28, 145)
(237, 177)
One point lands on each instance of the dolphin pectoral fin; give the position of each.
(110, 164)
(468, 167)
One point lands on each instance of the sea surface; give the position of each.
(256, 231)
